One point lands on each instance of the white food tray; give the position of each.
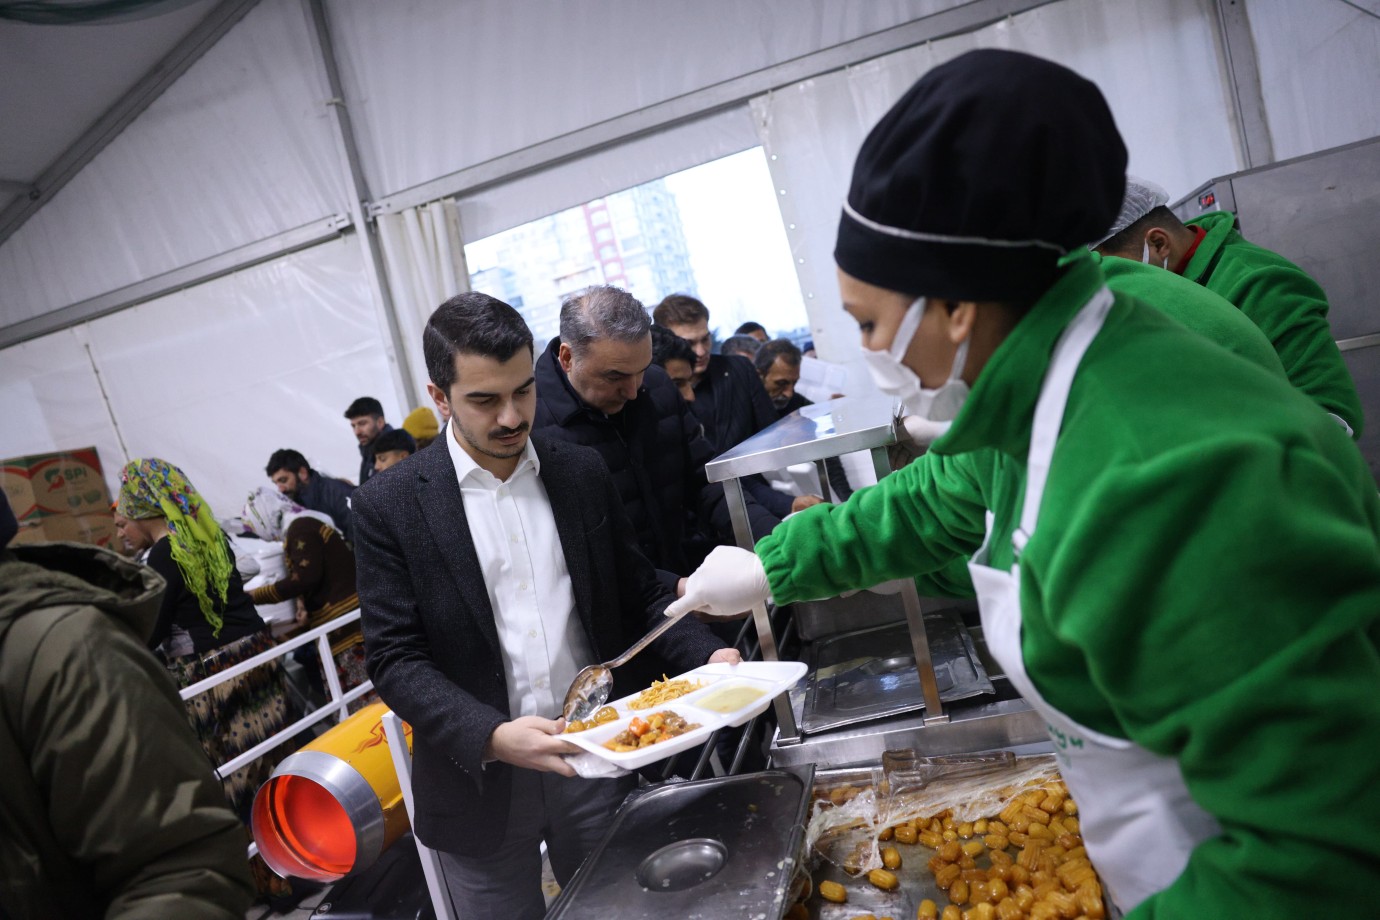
(771, 677)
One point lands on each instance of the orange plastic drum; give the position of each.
(331, 808)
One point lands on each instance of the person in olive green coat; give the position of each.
(1274, 293)
(108, 807)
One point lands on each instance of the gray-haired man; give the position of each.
(597, 386)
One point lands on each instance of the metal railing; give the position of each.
(338, 704)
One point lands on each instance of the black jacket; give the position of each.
(329, 496)
(432, 648)
(366, 456)
(732, 404)
(654, 448)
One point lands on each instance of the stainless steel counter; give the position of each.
(723, 847)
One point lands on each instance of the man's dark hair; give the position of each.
(602, 312)
(365, 405)
(749, 327)
(680, 310)
(784, 349)
(1129, 239)
(285, 458)
(667, 346)
(395, 439)
(744, 345)
(471, 324)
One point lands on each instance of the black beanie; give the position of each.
(988, 170)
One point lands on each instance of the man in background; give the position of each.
(756, 330)
(295, 478)
(391, 448)
(367, 421)
(729, 398)
(674, 355)
(778, 365)
(109, 807)
(1274, 293)
(596, 386)
(742, 346)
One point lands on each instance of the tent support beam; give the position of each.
(358, 190)
(957, 20)
(1243, 76)
(130, 106)
(274, 247)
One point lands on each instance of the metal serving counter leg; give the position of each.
(737, 510)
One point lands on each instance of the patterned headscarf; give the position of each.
(268, 513)
(152, 488)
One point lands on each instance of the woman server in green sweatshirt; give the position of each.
(1175, 554)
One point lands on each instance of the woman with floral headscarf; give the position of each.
(212, 624)
(320, 572)
(205, 597)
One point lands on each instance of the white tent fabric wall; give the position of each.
(479, 79)
(50, 399)
(237, 150)
(425, 259)
(1319, 69)
(812, 130)
(213, 378)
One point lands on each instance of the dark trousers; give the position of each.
(570, 814)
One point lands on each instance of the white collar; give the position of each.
(465, 465)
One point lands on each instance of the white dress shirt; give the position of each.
(523, 564)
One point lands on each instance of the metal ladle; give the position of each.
(591, 687)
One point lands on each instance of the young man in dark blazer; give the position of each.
(492, 566)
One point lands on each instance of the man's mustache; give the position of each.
(509, 432)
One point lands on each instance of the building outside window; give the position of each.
(713, 231)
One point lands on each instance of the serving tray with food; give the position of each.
(983, 837)
(675, 714)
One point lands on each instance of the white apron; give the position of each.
(1137, 819)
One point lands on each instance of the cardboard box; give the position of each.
(63, 483)
(96, 529)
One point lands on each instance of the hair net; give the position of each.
(1142, 196)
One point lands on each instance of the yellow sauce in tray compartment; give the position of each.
(731, 699)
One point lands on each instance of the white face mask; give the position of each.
(1145, 256)
(893, 378)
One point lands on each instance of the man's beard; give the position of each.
(508, 454)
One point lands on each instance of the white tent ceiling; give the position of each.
(60, 79)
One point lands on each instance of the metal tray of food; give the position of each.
(870, 674)
(916, 880)
(714, 848)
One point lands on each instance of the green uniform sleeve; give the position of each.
(1234, 633)
(132, 795)
(1291, 309)
(916, 521)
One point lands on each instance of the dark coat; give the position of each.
(654, 448)
(432, 648)
(366, 456)
(329, 496)
(732, 404)
(109, 807)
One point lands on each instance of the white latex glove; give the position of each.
(922, 431)
(730, 581)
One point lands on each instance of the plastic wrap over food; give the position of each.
(853, 808)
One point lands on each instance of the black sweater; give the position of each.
(180, 606)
